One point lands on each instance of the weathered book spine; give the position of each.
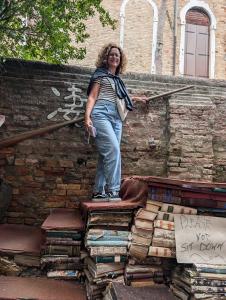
(210, 268)
(66, 274)
(142, 232)
(107, 251)
(178, 209)
(107, 243)
(144, 275)
(108, 238)
(164, 234)
(64, 234)
(162, 242)
(62, 242)
(161, 252)
(102, 233)
(146, 214)
(109, 218)
(164, 224)
(138, 251)
(205, 281)
(49, 259)
(165, 216)
(143, 224)
(137, 239)
(62, 249)
(208, 289)
(110, 259)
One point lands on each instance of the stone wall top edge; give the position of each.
(17, 66)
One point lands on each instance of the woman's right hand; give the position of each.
(88, 123)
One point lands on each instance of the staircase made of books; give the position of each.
(61, 259)
(107, 239)
(153, 244)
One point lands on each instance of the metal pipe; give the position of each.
(11, 141)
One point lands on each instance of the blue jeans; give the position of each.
(108, 125)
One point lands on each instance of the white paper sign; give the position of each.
(200, 239)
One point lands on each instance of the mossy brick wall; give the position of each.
(58, 168)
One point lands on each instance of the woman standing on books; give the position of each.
(103, 121)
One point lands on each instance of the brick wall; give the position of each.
(138, 35)
(182, 139)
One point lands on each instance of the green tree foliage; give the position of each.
(46, 30)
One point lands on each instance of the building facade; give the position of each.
(174, 37)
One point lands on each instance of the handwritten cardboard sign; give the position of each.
(200, 239)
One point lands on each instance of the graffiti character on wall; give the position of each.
(73, 107)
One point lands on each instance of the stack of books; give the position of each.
(144, 273)
(153, 236)
(142, 230)
(163, 242)
(61, 252)
(107, 240)
(199, 281)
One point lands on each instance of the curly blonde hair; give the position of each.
(103, 57)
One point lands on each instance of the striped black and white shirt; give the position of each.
(107, 89)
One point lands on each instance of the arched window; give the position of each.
(197, 37)
(203, 7)
(153, 33)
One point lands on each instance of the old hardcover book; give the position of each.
(164, 234)
(213, 276)
(75, 235)
(132, 276)
(62, 249)
(208, 289)
(210, 268)
(110, 259)
(153, 206)
(178, 209)
(101, 234)
(149, 260)
(27, 260)
(164, 224)
(197, 281)
(59, 259)
(62, 242)
(103, 269)
(162, 242)
(143, 224)
(110, 225)
(161, 252)
(95, 218)
(138, 251)
(165, 216)
(64, 274)
(107, 243)
(107, 251)
(146, 214)
(141, 231)
(134, 270)
(137, 239)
